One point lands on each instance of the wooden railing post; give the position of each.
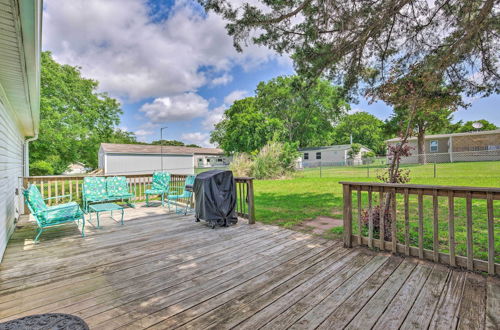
(25, 185)
(251, 202)
(347, 215)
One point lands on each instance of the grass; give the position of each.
(306, 196)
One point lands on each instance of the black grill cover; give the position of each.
(215, 194)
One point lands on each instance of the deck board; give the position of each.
(161, 270)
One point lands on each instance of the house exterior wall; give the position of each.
(211, 160)
(458, 148)
(11, 168)
(147, 163)
(331, 157)
(476, 142)
(327, 156)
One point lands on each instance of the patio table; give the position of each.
(105, 207)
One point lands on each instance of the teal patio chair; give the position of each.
(159, 186)
(118, 188)
(183, 194)
(93, 191)
(49, 216)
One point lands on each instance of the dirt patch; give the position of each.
(320, 225)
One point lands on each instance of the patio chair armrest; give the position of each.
(60, 196)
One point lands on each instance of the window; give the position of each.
(434, 146)
(208, 160)
(318, 155)
(306, 155)
(219, 160)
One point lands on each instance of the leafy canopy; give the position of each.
(285, 109)
(352, 41)
(467, 127)
(365, 128)
(174, 143)
(75, 119)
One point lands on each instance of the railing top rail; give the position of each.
(72, 177)
(422, 186)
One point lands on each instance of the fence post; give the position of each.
(368, 170)
(320, 174)
(434, 168)
(347, 215)
(251, 202)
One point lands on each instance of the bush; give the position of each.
(41, 167)
(241, 165)
(275, 160)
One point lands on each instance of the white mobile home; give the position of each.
(20, 27)
(337, 155)
(139, 158)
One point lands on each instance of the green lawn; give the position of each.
(289, 202)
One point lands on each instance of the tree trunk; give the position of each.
(421, 146)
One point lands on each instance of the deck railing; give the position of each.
(446, 224)
(51, 186)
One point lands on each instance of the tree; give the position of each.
(244, 128)
(285, 109)
(75, 119)
(168, 143)
(306, 110)
(353, 41)
(467, 127)
(365, 129)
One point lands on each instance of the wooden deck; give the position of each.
(163, 270)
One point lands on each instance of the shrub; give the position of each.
(241, 165)
(375, 212)
(41, 167)
(275, 160)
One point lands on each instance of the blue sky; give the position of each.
(170, 64)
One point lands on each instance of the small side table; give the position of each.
(105, 207)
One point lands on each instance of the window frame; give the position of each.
(318, 155)
(306, 156)
(431, 146)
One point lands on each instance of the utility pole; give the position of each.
(161, 146)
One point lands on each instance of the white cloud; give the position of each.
(213, 117)
(133, 57)
(201, 139)
(234, 96)
(181, 107)
(143, 134)
(222, 80)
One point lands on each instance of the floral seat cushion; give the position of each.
(94, 189)
(60, 214)
(34, 198)
(117, 186)
(160, 184)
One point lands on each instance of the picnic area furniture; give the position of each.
(49, 216)
(159, 186)
(183, 193)
(105, 207)
(100, 189)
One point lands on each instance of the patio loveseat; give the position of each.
(100, 189)
(49, 216)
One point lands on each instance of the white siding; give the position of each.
(11, 168)
(139, 164)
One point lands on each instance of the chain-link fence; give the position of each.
(483, 163)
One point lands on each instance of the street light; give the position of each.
(161, 146)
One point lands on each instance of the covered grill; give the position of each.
(215, 195)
